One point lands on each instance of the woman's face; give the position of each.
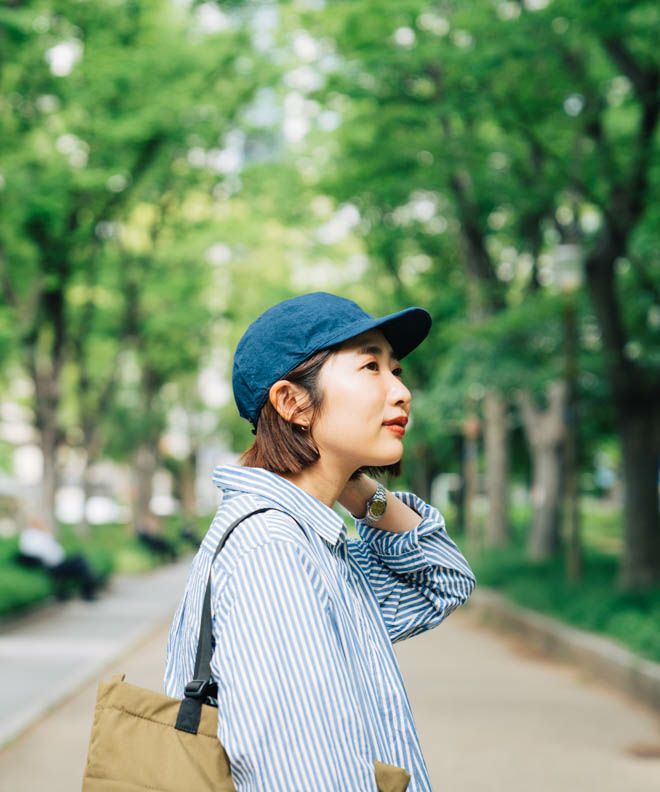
(361, 390)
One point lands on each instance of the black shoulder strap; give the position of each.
(197, 690)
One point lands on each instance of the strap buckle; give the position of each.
(197, 688)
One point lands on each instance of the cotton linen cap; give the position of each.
(292, 330)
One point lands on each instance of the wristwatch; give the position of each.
(376, 505)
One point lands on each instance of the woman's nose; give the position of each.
(400, 392)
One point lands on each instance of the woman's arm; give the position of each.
(288, 717)
(417, 572)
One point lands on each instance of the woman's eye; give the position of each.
(398, 372)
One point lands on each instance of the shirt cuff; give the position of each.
(403, 552)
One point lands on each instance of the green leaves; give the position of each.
(104, 220)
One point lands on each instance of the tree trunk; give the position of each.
(187, 481)
(639, 427)
(471, 428)
(544, 537)
(49, 480)
(45, 409)
(92, 446)
(545, 430)
(459, 494)
(636, 394)
(485, 297)
(571, 517)
(144, 465)
(45, 376)
(421, 472)
(83, 525)
(496, 530)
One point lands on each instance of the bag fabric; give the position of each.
(135, 745)
(145, 740)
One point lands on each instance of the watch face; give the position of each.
(377, 509)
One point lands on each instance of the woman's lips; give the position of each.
(396, 428)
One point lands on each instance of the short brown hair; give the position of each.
(282, 446)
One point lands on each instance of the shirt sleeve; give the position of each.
(287, 716)
(418, 577)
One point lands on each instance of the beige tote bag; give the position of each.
(145, 741)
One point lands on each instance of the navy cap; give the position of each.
(292, 330)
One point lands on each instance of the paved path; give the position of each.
(491, 717)
(50, 654)
(494, 717)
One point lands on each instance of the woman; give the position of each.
(309, 689)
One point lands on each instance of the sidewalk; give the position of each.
(597, 655)
(56, 651)
(494, 714)
(491, 716)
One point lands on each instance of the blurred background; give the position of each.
(169, 169)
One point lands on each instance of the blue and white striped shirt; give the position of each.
(309, 687)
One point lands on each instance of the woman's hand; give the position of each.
(356, 493)
(398, 517)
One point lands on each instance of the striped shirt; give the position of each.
(304, 618)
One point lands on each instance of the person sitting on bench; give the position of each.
(37, 547)
(149, 535)
(158, 545)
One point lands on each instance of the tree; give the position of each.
(527, 126)
(105, 102)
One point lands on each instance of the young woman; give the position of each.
(310, 695)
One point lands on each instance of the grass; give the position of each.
(20, 588)
(594, 603)
(110, 549)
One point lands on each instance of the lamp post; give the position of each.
(567, 276)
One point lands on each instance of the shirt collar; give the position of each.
(270, 486)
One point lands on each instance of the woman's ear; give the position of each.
(287, 398)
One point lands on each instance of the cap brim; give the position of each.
(405, 330)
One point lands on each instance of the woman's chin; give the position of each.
(383, 460)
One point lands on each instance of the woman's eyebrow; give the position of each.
(374, 349)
